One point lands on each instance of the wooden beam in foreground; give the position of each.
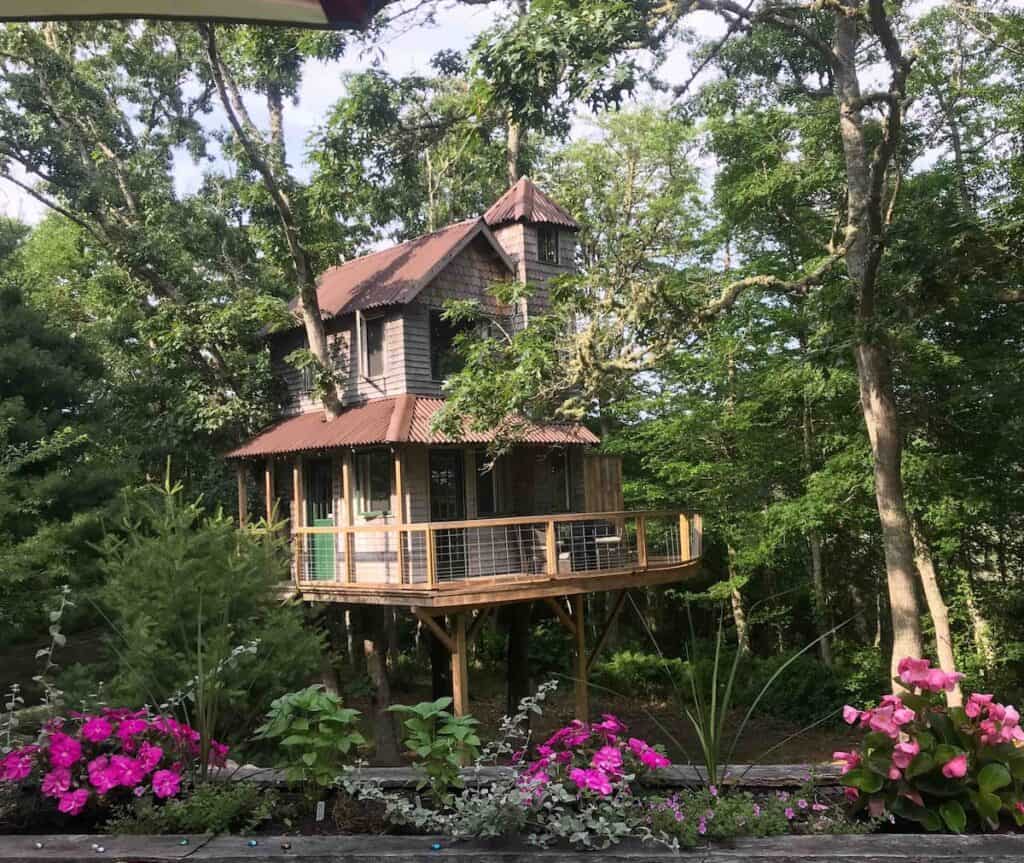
(431, 623)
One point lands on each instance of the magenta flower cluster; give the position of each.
(118, 750)
(599, 757)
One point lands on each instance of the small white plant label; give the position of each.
(320, 808)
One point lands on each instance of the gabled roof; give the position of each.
(524, 202)
(397, 275)
(404, 419)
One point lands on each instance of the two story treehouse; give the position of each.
(382, 510)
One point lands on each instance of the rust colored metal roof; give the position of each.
(405, 419)
(524, 202)
(394, 275)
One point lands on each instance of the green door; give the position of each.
(319, 506)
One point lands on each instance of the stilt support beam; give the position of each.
(460, 667)
(241, 473)
(602, 638)
(582, 689)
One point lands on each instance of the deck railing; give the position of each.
(436, 554)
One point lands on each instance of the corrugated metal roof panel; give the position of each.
(524, 202)
(405, 419)
(390, 276)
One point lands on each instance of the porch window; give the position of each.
(445, 359)
(547, 244)
(373, 481)
(371, 345)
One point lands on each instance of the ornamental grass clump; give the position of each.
(113, 756)
(955, 767)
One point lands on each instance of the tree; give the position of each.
(57, 485)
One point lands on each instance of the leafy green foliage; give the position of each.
(440, 742)
(192, 598)
(226, 806)
(316, 735)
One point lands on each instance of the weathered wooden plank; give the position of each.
(907, 848)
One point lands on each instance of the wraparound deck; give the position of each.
(482, 562)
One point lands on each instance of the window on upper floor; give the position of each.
(445, 359)
(371, 345)
(547, 244)
(373, 470)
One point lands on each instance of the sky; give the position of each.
(402, 50)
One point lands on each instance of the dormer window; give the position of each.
(547, 244)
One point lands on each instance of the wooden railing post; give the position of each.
(300, 541)
(268, 489)
(684, 537)
(641, 541)
(551, 548)
(698, 523)
(431, 558)
(400, 513)
(347, 537)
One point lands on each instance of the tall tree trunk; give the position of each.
(980, 628)
(938, 611)
(739, 614)
(518, 655)
(513, 150)
(375, 650)
(863, 243)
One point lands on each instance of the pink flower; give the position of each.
(937, 680)
(903, 715)
(881, 720)
(608, 759)
(975, 704)
(218, 753)
(127, 770)
(789, 813)
(149, 756)
(955, 768)
(73, 802)
(17, 764)
(904, 753)
(819, 807)
(654, 760)
(56, 782)
(64, 751)
(713, 790)
(166, 783)
(131, 728)
(801, 803)
(851, 794)
(850, 714)
(894, 774)
(96, 729)
(912, 671)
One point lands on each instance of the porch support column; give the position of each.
(268, 489)
(347, 539)
(241, 471)
(460, 666)
(580, 637)
(400, 512)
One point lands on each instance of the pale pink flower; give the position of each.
(789, 813)
(904, 753)
(894, 774)
(850, 714)
(903, 715)
(913, 671)
(955, 768)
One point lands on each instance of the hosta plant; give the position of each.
(316, 735)
(93, 760)
(944, 767)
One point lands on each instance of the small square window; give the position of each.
(547, 244)
(373, 481)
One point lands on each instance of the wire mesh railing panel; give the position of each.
(662, 534)
(319, 556)
(489, 551)
(593, 545)
(414, 557)
(375, 557)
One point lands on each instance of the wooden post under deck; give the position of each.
(299, 517)
(460, 666)
(582, 688)
(684, 537)
(241, 469)
(268, 489)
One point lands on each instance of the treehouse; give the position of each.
(382, 509)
